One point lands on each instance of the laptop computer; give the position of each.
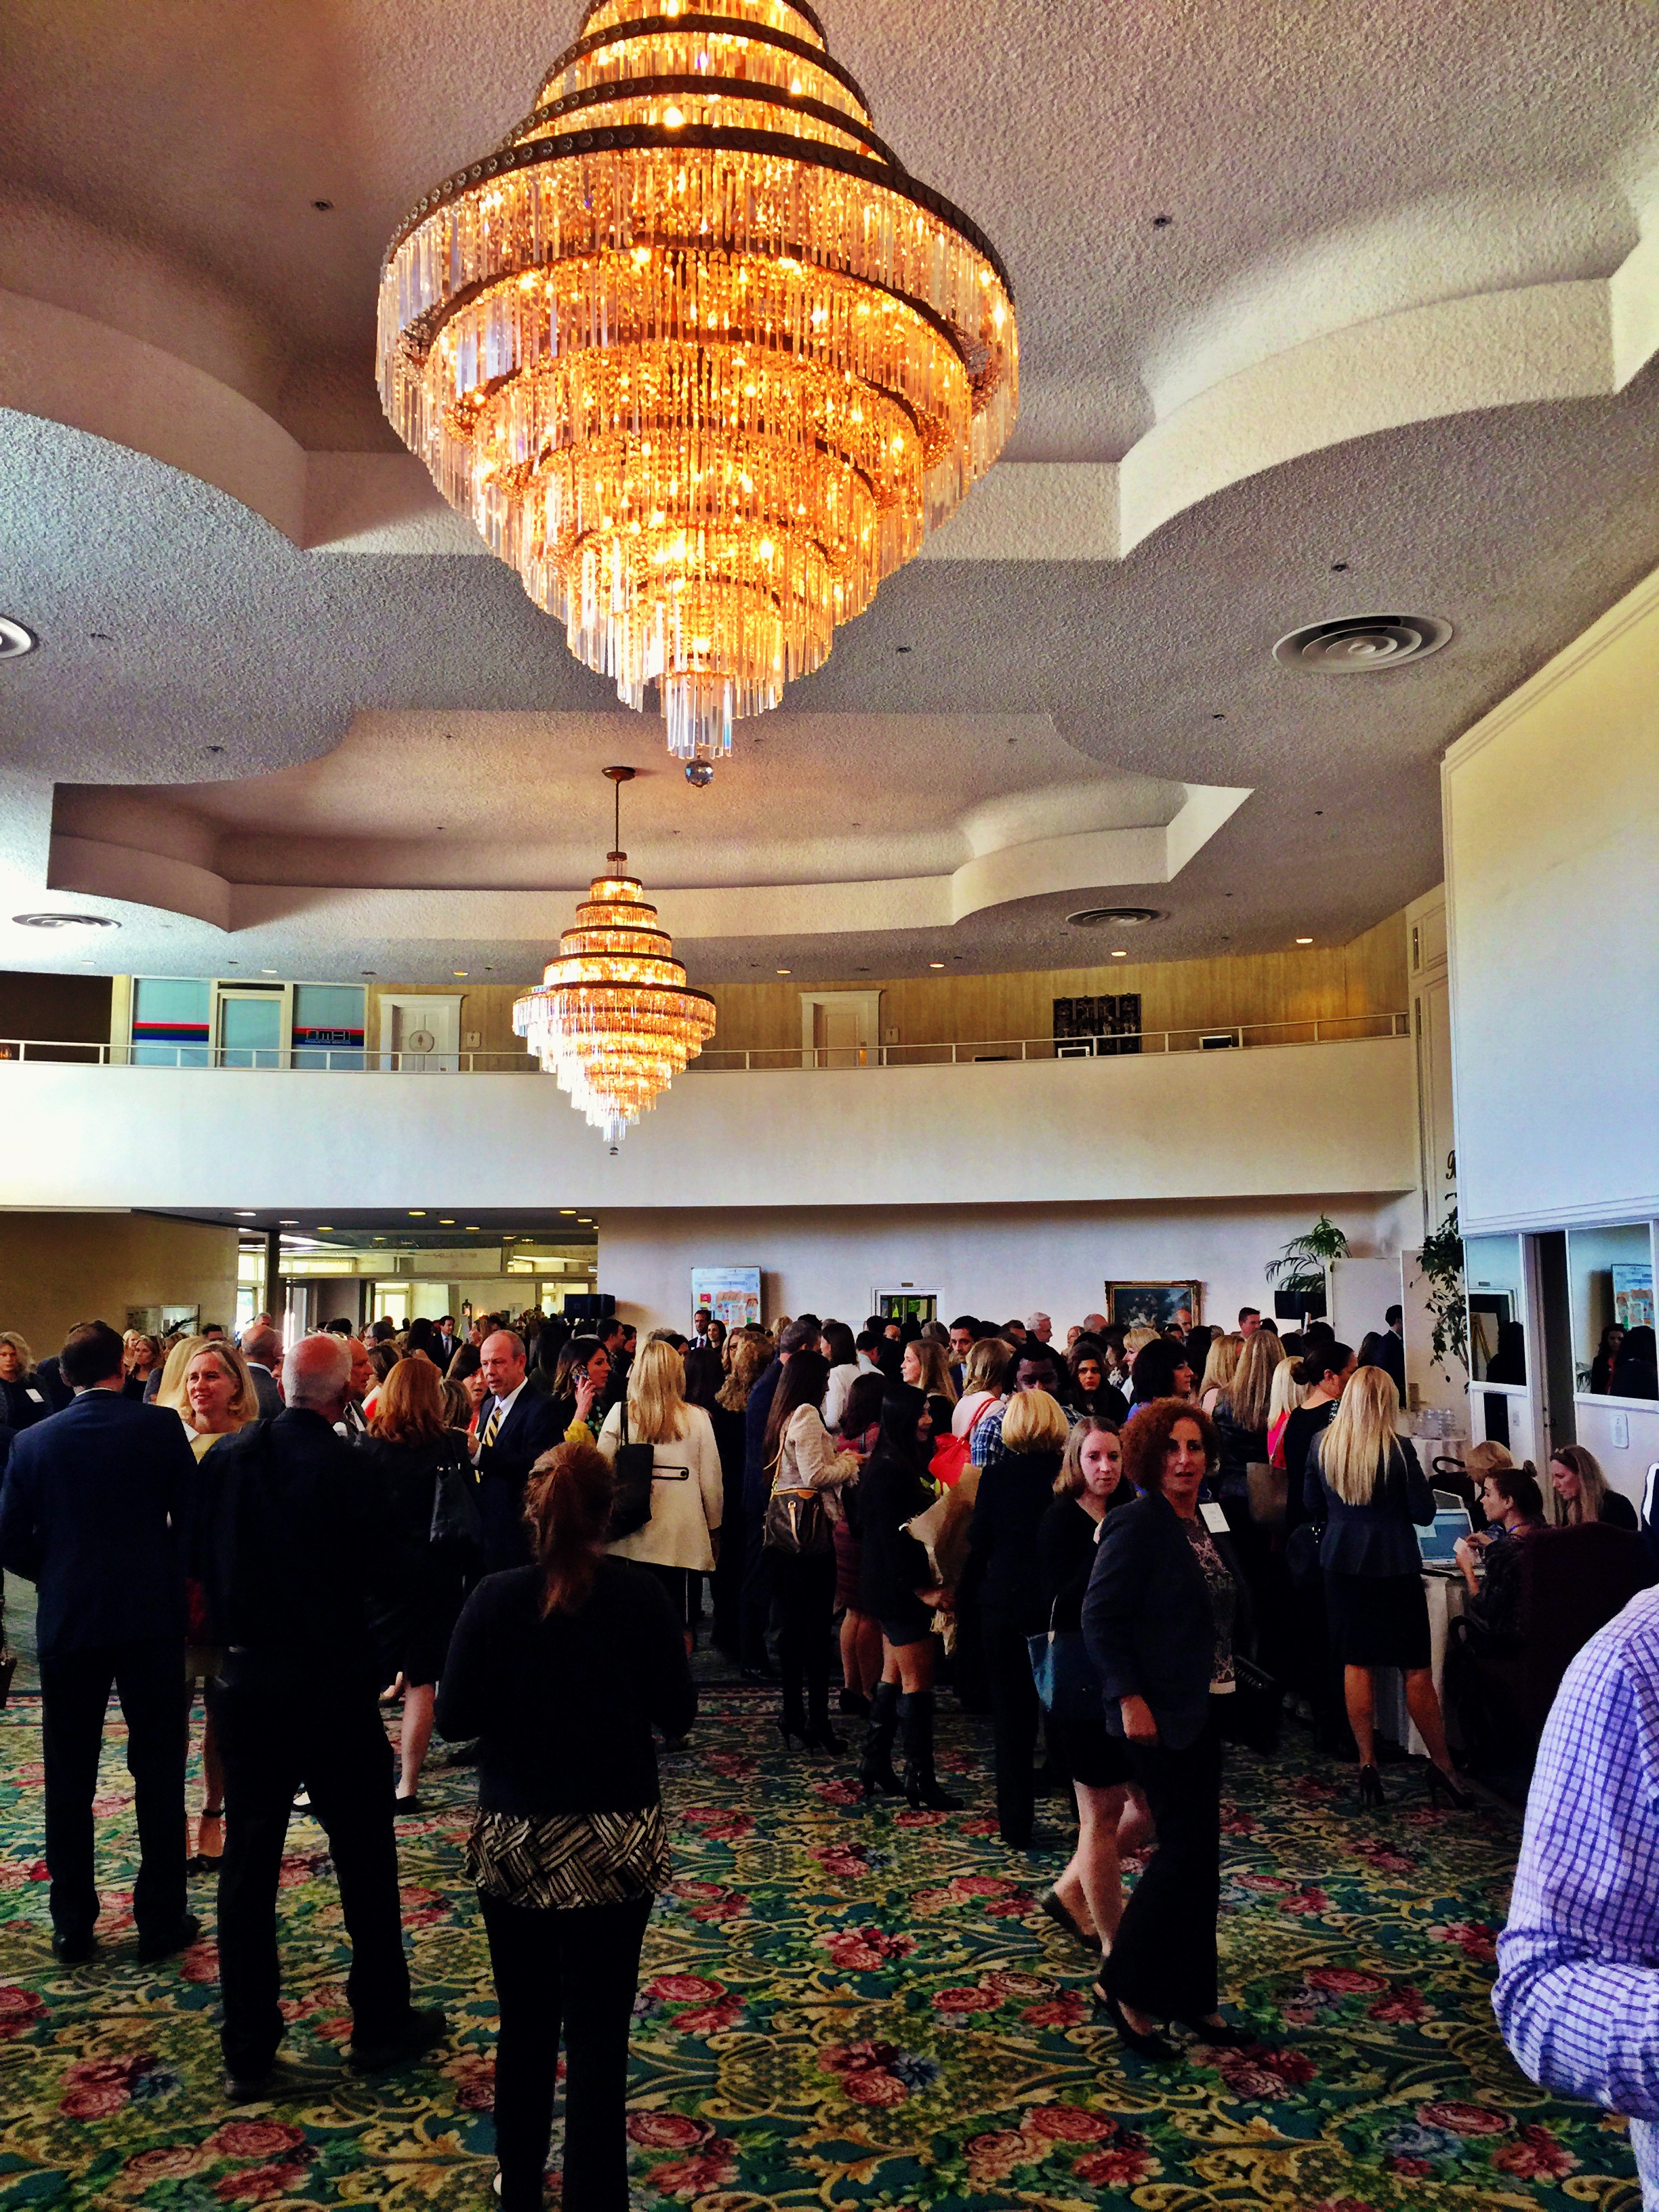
(1451, 1522)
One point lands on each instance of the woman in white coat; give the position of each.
(679, 1541)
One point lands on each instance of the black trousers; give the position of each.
(276, 1734)
(1162, 1959)
(574, 1970)
(1014, 1715)
(757, 1602)
(148, 1679)
(803, 1603)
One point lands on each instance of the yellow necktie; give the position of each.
(491, 1426)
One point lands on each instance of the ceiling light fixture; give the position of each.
(613, 1017)
(417, 1214)
(1304, 940)
(1105, 917)
(696, 355)
(324, 1228)
(935, 963)
(14, 639)
(245, 1213)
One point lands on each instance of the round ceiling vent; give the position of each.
(14, 639)
(1359, 645)
(64, 921)
(1104, 917)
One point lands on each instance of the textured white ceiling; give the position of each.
(1372, 217)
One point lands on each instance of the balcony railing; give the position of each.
(1215, 1037)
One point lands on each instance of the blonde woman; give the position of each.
(23, 1402)
(989, 1362)
(1016, 1490)
(1579, 1492)
(1219, 1369)
(687, 1493)
(1363, 1481)
(926, 1366)
(140, 1357)
(1242, 1413)
(218, 1399)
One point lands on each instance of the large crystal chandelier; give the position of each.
(611, 1017)
(695, 355)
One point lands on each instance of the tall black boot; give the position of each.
(921, 1783)
(820, 1736)
(876, 1767)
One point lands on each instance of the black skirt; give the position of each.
(1378, 1620)
(1089, 1752)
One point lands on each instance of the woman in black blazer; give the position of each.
(1364, 1482)
(562, 1670)
(1015, 1489)
(1159, 1618)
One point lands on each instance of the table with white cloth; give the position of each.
(1448, 1596)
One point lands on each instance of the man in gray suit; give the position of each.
(262, 1348)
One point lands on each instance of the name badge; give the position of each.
(35, 1395)
(1214, 1519)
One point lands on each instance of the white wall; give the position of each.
(1552, 826)
(1625, 1465)
(994, 1262)
(1337, 1118)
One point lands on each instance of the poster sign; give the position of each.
(732, 1294)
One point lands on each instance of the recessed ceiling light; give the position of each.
(324, 206)
(64, 921)
(1120, 956)
(14, 639)
(1162, 221)
(1304, 940)
(324, 1228)
(783, 971)
(288, 1224)
(267, 971)
(570, 1210)
(1362, 645)
(935, 963)
(471, 1228)
(445, 1221)
(417, 1214)
(245, 1213)
(461, 972)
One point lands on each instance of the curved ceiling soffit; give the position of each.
(1572, 339)
(1084, 861)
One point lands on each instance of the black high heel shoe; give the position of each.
(1441, 1785)
(820, 1737)
(1157, 2048)
(791, 1732)
(1370, 1789)
(1222, 2035)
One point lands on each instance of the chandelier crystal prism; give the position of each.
(613, 1017)
(695, 355)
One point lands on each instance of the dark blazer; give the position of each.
(1389, 1353)
(534, 1425)
(1066, 1557)
(95, 1511)
(564, 1703)
(22, 1404)
(265, 1390)
(1377, 1538)
(757, 1476)
(1303, 1425)
(1014, 1494)
(892, 1566)
(1148, 1621)
(295, 1548)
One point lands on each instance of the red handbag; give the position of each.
(953, 1454)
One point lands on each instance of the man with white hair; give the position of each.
(292, 1544)
(1039, 1326)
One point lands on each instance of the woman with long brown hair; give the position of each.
(413, 1450)
(746, 1355)
(562, 1670)
(804, 1465)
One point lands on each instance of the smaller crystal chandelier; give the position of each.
(613, 1017)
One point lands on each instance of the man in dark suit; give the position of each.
(262, 1348)
(292, 1548)
(95, 1512)
(516, 1425)
(1390, 1349)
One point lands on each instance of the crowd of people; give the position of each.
(1124, 1548)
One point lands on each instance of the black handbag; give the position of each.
(631, 1475)
(456, 1520)
(1066, 1682)
(1254, 1711)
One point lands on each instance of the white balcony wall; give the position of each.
(1263, 1123)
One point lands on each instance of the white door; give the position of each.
(420, 1033)
(839, 1029)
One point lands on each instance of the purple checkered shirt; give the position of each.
(1577, 1991)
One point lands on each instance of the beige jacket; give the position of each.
(687, 1496)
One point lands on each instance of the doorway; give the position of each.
(420, 1034)
(840, 1028)
(252, 1028)
(906, 1305)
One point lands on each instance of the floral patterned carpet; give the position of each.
(839, 2007)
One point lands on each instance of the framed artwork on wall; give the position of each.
(732, 1294)
(1154, 1305)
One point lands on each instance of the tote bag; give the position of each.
(1066, 1683)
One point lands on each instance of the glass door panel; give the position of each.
(250, 1028)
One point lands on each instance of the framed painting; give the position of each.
(1154, 1305)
